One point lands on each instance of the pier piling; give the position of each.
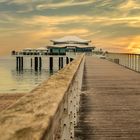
(62, 62)
(19, 63)
(40, 63)
(59, 63)
(51, 63)
(36, 63)
(31, 62)
(67, 60)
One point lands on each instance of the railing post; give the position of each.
(65, 124)
(136, 62)
(139, 63)
(126, 61)
(131, 61)
(71, 114)
(128, 64)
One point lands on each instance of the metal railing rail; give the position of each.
(128, 60)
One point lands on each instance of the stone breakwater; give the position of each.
(38, 113)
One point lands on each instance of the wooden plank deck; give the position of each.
(110, 102)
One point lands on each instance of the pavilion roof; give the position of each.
(70, 45)
(71, 39)
(42, 49)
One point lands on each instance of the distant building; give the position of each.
(60, 47)
(69, 44)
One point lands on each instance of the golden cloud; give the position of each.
(129, 44)
(129, 4)
(56, 20)
(63, 4)
(134, 45)
(38, 30)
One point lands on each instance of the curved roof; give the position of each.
(56, 46)
(35, 49)
(78, 45)
(71, 39)
(70, 45)
(42, 49)
(29, 49)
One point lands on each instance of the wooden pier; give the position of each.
(39, 62)
(106, 106)
(110, 102)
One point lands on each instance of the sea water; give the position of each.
(13, 81)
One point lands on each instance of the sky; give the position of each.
(113, 25)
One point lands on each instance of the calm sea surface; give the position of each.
(12, 81)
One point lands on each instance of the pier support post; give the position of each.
(40, 63)
(31, 63)
(51, 63)
(19, 63)
(59, 64)
(36, 63)
(62, 62)
(67, 60)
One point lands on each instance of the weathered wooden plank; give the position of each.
(110, 102)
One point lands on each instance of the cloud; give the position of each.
(2, 1)
(19, 1)
(69, 3)
(129, 4)
(134, 45)
(49, 21)
(130, 21)
(55, 20)
(111, 24)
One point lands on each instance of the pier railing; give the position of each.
(50, 111)
(128, 60)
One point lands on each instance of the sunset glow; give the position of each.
(113, 25)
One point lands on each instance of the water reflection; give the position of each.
(26, 80)
(15, 81)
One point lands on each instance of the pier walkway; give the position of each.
(110, 102)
